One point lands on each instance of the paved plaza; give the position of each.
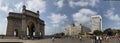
(62, 40)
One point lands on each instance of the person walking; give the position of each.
(53, 39)
(96, 39)
(93, 38)
(117, 38)
(107, 39)
(100, 39)
(80, 38)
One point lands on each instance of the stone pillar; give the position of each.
(10, 25)
(38, 14)
(37, 29)
(42, 31)
(24, 26)
(24, 8)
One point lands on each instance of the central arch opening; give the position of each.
(16, 32)
(30, 30)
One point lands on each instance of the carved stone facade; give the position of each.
(25, 24)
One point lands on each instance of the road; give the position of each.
(62, 40)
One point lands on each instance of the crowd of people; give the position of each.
(98, 39)
(106, 39)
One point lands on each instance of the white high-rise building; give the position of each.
(96, 23)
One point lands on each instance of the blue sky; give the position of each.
(58, 14)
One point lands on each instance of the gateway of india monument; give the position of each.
(25, 24)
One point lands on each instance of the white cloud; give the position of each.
(0, 2)
(111, 15)
(48, 30)
(36, 5)
(59, 3)
(79, 3)
(57, 19)
(93, 2)
(83, 3)
(5, 8)
(18, 6)
(83, 16)
(57, 23)
(3, 26)
(32, 5)
(3, 20)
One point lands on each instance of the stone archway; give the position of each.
(26, 22)
(30, 29)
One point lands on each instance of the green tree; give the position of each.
(118, 31)
(62, 34)
(59, 34)
(108, 32)
(97, 32)
(81, 34)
